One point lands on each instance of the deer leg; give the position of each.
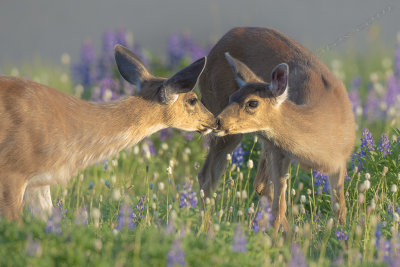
(12, 187)
(263, 183)
(336, 182)
(279, 176)
(216, 161)
(38, 201)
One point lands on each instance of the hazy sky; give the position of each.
(48, 28)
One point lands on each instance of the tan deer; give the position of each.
(289, 98)
(47, 136)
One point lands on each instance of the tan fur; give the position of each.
(313, 124)
(47, 136)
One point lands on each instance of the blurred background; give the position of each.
(45, 29)
(69, 44)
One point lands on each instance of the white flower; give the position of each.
(309, 191)
(250, 164)
(169, 170)
(396, 217)
(367, 176)
(116, 194)
(255, 139)
(215, 195)
(361, 198)
(293, 192)
(393, 188)
(161, 186)
(329, 224)
(367, 184)
(208, 201)
(244, 194)
(228, 157)
(251, 210)
(202, 193)
(302, 198)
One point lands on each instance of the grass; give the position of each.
(83, 231)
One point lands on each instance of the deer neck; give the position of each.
(292, 128)
(106, 129)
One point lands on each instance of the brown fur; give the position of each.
(314, 125)
(47, 136)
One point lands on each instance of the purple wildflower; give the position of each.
(53, 223)
(238, 156)
(239, 240)
(354, 94)
(107, 90)
(371, 108)
(188, 135)
(187, 196)
(125, 217)
(84, 71)
(165, 134)
(321, 180)
(175, 50)
(384, 145)
(393, 91)
(367, 142)
(176, 256)
(263, 217)
(81, 216)
(298, 259)
(59, 205)
(106, 61)
(340, 235)
(33, 247)
(139, 209)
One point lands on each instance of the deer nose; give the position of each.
(218, 123)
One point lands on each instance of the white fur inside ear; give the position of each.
(282, 98)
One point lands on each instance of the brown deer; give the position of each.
(47, 136)
(289, 98)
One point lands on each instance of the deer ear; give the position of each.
(279, 79)
(131, 67)
(182, 82)
(241, 72)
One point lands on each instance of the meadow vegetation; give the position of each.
(143, 207)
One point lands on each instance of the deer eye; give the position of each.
(192, 101)
(252, 103)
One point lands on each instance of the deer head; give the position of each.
(253, 103)
(175, 95)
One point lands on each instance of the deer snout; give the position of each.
(219, 130)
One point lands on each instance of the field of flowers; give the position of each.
(144, 208)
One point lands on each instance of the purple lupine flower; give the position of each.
(321, 179)
(393, 91)
(175, 50)
(354, 94)
(84, 71)
(384, 145)
(152, 148)
(165, 134)
(59, 205)
(81, 216)
(371, 108)
(53, 223)
(188, 135)
(239, 240)
(238, 156)
(107, 90)
(263, 217)
(367, 142)
(139, 209)
(298, 259)
(384, 249)
(106, 61)
(125, 217)
(176, 256)
(33, 247)
(187, 197)
(340, 235)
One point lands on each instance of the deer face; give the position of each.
(255, 102)
(174, 95)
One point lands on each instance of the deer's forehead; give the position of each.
(250, 89)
